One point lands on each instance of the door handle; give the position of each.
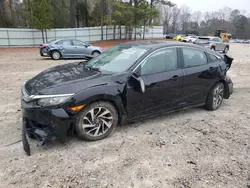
(175, 78)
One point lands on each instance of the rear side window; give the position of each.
(161, 61)
(193, 57)
(212, 57)
(65, 42)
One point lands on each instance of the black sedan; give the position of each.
(127, 82)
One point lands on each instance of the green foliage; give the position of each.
(42, 14)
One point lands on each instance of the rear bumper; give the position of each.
(44, 52)
(230, 88)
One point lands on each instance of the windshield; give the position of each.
(117, 59)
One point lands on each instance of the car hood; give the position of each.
(67, 78)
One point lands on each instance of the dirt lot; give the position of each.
(192, 148)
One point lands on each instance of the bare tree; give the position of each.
(72, 13)
(167, 17)
(197, 17)
(176, 16)
(102, 17)
(185, 17)
(224, 13)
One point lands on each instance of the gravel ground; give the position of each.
(192, 148)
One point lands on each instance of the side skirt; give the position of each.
(163, 112)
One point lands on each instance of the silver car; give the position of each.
(214, 43)
(69, 48)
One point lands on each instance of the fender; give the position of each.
(113, 93)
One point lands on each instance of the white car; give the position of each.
(191, 38)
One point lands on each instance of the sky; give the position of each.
(213, 5)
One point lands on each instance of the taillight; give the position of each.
(43, 46)
(206, 42)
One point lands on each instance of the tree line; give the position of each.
(184, 20)
(133, 14)
(47, 14)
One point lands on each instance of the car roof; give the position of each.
(155, 45)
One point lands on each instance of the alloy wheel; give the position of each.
(56, 55)
(218, 96)
(97, 121)
(96, 54)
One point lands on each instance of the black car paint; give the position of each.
(166, 91)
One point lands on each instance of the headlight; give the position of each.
(52, 101)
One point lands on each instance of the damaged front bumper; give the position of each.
(44, 124)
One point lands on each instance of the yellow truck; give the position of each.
(225, 36)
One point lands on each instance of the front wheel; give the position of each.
(97, 121)
(215, 97)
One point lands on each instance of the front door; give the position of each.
(163, 84)
(81, 48)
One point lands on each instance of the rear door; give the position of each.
(67, 48)
(200, 73)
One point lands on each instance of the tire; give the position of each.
(179, 40)
(31, 136)
(103, 123)
(55, 55)
(226, 50)
(190, 41)
(213, 48)
(215, 97)
(96, 53)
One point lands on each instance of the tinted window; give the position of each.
(65, 42)
(78, 43)
(212, 57)
(161, 61)
(193, 57)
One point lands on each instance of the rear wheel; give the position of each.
(55, 55)
(215, 97)
(96, 53)
(97, 121)
(213, 48)
(226, 49)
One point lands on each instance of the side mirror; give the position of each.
(139, 83)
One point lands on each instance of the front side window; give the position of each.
(161, 61)
(193, 57)
(117, 59)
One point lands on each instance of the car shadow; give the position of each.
(72, 138)
(64, 59)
